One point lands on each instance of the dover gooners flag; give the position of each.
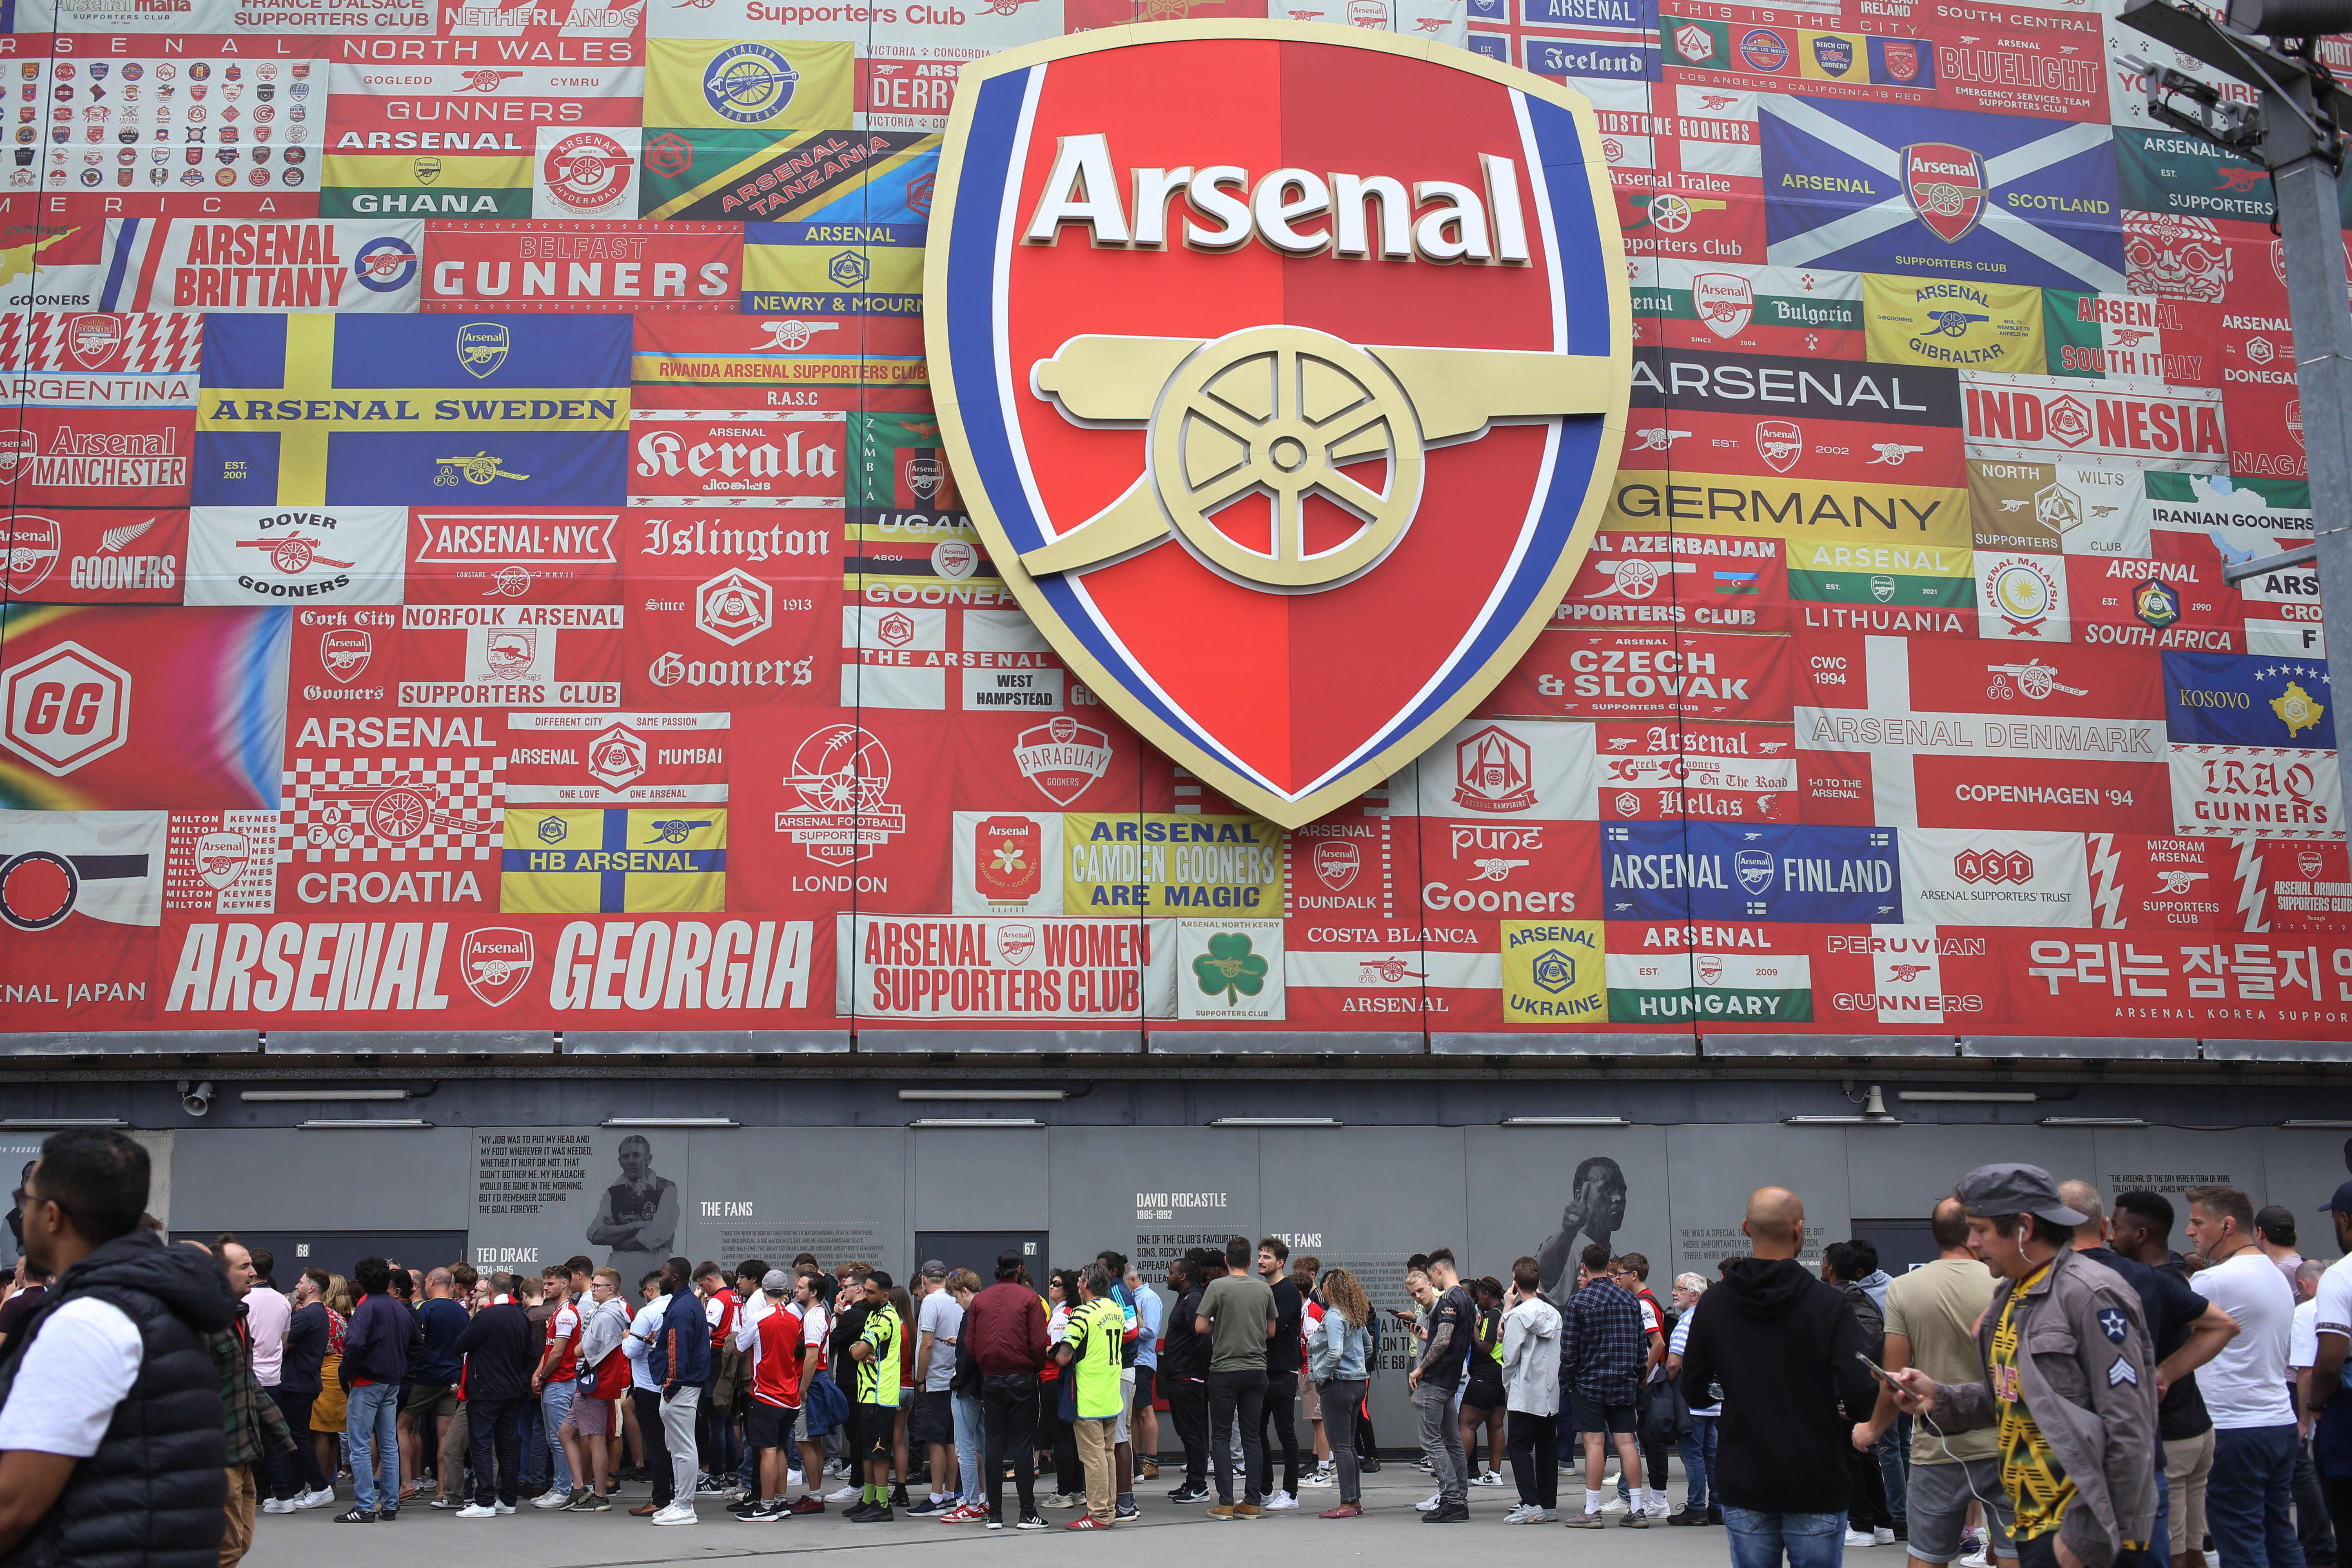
(1283, 368)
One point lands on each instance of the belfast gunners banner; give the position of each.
(487, 547)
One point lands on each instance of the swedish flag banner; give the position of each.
(310, 410)
(614, 860)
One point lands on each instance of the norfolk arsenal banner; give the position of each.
(1559, 519)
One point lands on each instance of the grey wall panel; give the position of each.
(2169, 1160)
(1529, 1201)
(2276, 1051)
(1150, 1192)
(281, 1178)
(1827, 1045)
(980, 1178)
(1312, 1189)
(699, 1042)
(773, 1192)
(1166, 1040)
(412, 1042)
(2302, 1170)
(1902, 1172)
(1091, 1042)
(1712, 1170)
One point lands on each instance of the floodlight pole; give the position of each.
(2295, 137)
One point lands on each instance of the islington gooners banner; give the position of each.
(483, 555)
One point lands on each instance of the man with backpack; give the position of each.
(1868, 1521)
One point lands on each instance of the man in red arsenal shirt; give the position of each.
(772, 1341)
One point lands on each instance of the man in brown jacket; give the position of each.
(1006, 1329)
(2069, 1378)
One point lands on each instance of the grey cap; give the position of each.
(2015, 1189)
(935, 1270)
(776, 1280)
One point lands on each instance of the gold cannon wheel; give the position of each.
(1278, 411)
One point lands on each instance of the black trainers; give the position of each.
(878, 1513)
(1189, 1494)
(1030, 1521)
(898, 1496)
(356, 1515)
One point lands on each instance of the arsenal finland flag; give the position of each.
(1287, 500)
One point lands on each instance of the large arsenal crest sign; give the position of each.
(1284, 369)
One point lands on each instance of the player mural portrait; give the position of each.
(637, 1217)
(1595, 1208)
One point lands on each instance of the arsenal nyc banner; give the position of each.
(1181, 407)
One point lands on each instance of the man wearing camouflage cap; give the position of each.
(2069, 1379)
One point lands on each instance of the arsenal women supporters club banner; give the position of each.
(1552, 519)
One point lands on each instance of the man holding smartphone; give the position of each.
(2068, 1379)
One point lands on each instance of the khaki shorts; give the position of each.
(1310, 1401)
(2187, 1462)
(430, 1399)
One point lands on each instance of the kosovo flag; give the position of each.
(614, 861)
(504, 410)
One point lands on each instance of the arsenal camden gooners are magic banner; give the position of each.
(1173, 390)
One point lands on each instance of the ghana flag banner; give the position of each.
(413, 410)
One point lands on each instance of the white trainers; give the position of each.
(551, 1498)
(1431, 1502)
(1882, 1536)
(844, 1495)
(675, 1514)
(1487, 1479)
(318, 1499)
(1319, 1479)
(1660, 1509)
(278, 1505)
(1613, 1505)
(475, 1511)
(1860, 1537)
(1278, 1499)
(504, 1507)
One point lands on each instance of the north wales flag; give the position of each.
(502, 411)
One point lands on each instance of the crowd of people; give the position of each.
(2057, 1388)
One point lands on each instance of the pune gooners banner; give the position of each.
(1206, 414)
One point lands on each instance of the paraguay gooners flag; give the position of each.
(614, 860)
(1288, 495)
(441, 410)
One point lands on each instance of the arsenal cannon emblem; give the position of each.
(1284, 369)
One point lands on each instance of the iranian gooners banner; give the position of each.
(1545, 523)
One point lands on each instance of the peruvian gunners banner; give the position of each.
(1546, 522)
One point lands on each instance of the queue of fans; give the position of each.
(2058, 1388)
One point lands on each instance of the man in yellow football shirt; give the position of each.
(2069, 1379)
(1090, 1349)
(875, 1351)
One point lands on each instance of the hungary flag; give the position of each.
(1729, 986)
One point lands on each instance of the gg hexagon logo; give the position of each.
(1345, 384)
(67, 707)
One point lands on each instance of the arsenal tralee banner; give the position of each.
(605, 516)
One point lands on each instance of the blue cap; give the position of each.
(2341, 1202)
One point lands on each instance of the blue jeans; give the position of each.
(371, 1421)
(1698, 1461)
(969, 1430)
(2248, 1496)
(554, 1408)
(1893, 1451)
(1808, 1540)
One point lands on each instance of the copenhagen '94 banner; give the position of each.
(896, 527)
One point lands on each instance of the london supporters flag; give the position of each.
(1972, 734)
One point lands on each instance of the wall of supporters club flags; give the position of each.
(482, 559)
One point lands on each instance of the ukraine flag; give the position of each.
(440, 410)
(613, 861)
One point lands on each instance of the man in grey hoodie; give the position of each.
(1531, 1395)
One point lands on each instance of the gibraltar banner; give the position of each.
(1534, 521)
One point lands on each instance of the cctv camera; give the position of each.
(196, 1098)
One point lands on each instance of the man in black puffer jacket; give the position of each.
(112, 1452)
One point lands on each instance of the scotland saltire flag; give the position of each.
(1991, 198)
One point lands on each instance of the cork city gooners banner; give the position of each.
(1215, 347)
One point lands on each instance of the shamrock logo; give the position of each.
(1231, 967)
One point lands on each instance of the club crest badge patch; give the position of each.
(1286, 415)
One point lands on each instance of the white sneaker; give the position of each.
(1488, 1478)
(551, 1498)
(1278, 1498)
(675, 1514)
(475, 1511)
(844, 1495)
(1319, 1479)
(1431, 1502)
(318, 1499)
(1523, 1514)
(278, 1505)
(504, 1507)
(1545, 1516)
(1860, 1537)
(1660, 1509)
(1613, 1505)
(1882, 1536)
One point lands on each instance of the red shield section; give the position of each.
(1944, 185)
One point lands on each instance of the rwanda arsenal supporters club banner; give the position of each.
(504, 532)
